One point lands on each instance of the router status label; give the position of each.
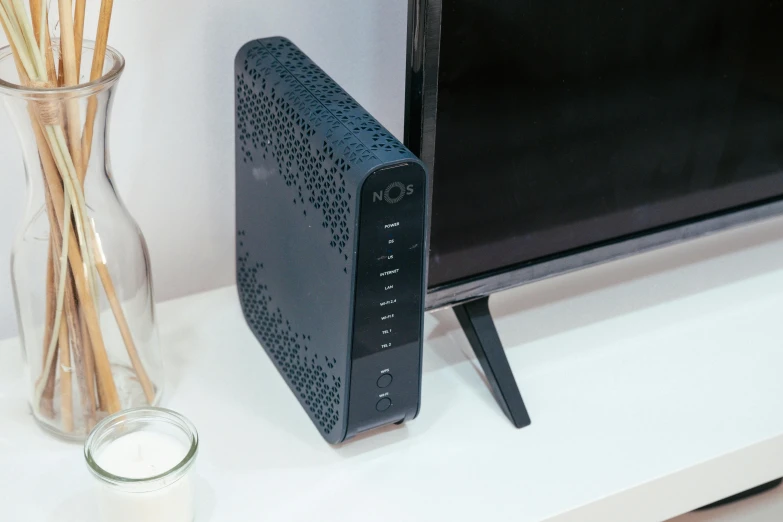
(390, 265)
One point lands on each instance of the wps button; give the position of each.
(384, 380)
(383, 404)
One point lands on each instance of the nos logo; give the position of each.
(393, 193)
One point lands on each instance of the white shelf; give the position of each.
(655, 385)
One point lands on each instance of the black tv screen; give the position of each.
(564, 124)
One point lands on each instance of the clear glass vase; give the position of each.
(80, 266)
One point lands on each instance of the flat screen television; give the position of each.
(561, 134)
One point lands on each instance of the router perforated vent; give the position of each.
(279, 122)
(309, 373)
(284, 100)
(337, 101)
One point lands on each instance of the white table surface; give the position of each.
(655, 385)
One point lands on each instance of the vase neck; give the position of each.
(68, 134)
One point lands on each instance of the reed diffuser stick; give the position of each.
(16, 41)
(76, 339)
(37, 8)
(55, 241)
(78, 32)
(71, 77)
(26, 28)
(89, 377)
(51, 293)
(39, 14)
(101, 39)
(116, 307)
(98, 59)
(44, 400)
(45, 403)
(66, 399)
(39, 18)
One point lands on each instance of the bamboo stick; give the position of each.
(101, 39)
(66, 389)
(51, 298)
(36, 17)
(46, 402)
(78, 31)
(15, 40)
(40, 17)
(47, 397)
(76, 339)
(98, 59)
(26, 28)
(89, 376)
(60, 67)
(37, 11)
(116, 307)
(49, 371)
(71, 77)
(51, 70)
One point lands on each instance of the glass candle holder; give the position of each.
(143, 460)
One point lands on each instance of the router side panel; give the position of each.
(296, 220)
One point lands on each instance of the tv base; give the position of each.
(479, 327)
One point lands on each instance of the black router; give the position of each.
(331, 242)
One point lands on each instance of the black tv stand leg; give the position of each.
(476, 321)
(758, 490)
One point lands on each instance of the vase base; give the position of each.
(129, 392)
(75, 437)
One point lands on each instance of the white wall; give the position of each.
(172, 133)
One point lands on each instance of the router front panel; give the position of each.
(388, 306)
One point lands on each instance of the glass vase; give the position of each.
(80, 267)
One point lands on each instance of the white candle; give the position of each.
(143, 459)
(142, 455)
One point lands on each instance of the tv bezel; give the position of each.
(421, 101)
